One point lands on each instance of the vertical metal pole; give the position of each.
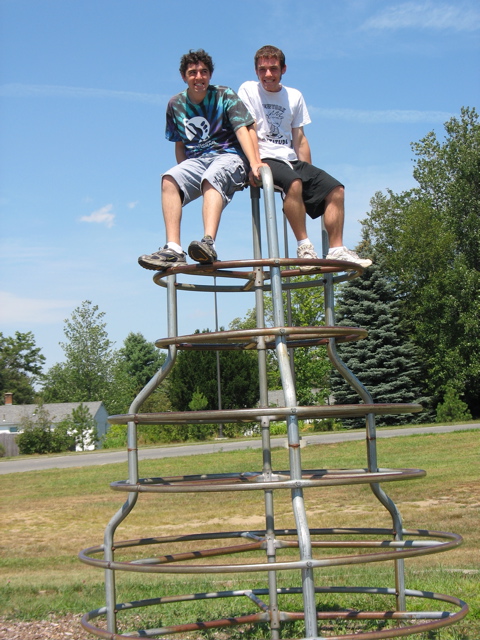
(265, 421)
(291, 352)
(298, 502)
(217, 353)
(371, 438)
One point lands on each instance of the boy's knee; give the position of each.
(295, 190)
(169, 183)
(336, 195)
(170, 187)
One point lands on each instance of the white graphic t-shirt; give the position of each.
(276, 114)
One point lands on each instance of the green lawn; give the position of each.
(49, 516)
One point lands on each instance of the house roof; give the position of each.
(12, 414)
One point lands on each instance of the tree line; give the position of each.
(420, 302)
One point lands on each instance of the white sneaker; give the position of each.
(306, 250)
(342, 253)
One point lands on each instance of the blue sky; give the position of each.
(84, 86)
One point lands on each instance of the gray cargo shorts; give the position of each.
(226, 172)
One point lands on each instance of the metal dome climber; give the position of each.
(258, 276)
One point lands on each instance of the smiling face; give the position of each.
(197, 76)
(270, 73)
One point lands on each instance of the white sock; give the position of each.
(302, 242)
(176, 247)
(334, 249)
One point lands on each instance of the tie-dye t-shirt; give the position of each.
(208, 127)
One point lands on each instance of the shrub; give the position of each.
(37, 433)
(62, 439)
(115, 437)
(240, 429)
(326, 424)
(41, 436)
(34, 439)
(452, 409)
(278, 428)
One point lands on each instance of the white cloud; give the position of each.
(132, 205)
(101, 216)
(18, 90)
(389, 116)
(14, 309)
(426, 15)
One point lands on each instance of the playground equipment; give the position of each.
(302, 549)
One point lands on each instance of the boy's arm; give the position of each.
(180, 154)
(247, 137)
(252, 130)
(300, 145)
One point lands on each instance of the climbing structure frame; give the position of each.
(364, 545)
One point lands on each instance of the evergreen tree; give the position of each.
(385, 362)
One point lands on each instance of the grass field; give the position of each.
(49, 516)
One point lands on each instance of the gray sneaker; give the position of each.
(203, 251)
(307, 250)
(344, 254)
(162, 259)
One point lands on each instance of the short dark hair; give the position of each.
(194, 57)
(269, 51)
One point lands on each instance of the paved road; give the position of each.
(107, 457)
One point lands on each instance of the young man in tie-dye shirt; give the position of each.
(209, 126)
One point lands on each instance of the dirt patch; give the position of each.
(55, 628)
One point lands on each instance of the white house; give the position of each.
(11, 415)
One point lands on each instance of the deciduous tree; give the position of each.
(21, 363)
(303, 306)
(429, 242)
(81, 426)
(137, 362)
(197, 371)
(87, 373)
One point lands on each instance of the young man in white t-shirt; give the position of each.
(280, 114)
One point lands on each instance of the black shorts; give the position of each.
(316, 183)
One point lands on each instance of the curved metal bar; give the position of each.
(274, 413)
(225, 269)
(439, 618)
(249, 338)
(122, 513)
(249, 278)
(260, 481)
(167, 563)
